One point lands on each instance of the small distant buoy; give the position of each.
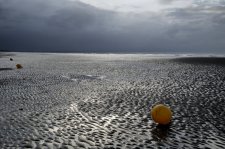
(11, 59)
(19, 66)
(161, 114)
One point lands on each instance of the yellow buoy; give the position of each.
(161, 114)
(19, 66)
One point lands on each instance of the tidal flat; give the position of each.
(104, 100)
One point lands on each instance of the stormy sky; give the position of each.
(113, 25)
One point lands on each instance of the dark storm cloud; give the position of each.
(48, 25)
(79, 16)
(199, 27)
(68, 25)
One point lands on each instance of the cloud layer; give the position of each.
(77, 26)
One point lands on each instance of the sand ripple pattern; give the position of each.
(103, 101)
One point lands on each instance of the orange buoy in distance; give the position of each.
(19, 66)
(161, 114)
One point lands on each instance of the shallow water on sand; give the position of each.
(103, 101)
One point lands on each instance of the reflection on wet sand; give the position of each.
(160, 132)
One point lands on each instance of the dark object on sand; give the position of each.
(19, 66)
(11, 59)
(2, 69)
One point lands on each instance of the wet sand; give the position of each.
(5, 54)
(202, 60)
(103, 101)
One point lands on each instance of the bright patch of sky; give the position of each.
(209, 2)
(137, 5)
(149, 5)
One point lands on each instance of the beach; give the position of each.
(60, 100)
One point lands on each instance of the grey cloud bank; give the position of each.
(74, 26)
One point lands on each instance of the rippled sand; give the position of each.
(103, 101)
